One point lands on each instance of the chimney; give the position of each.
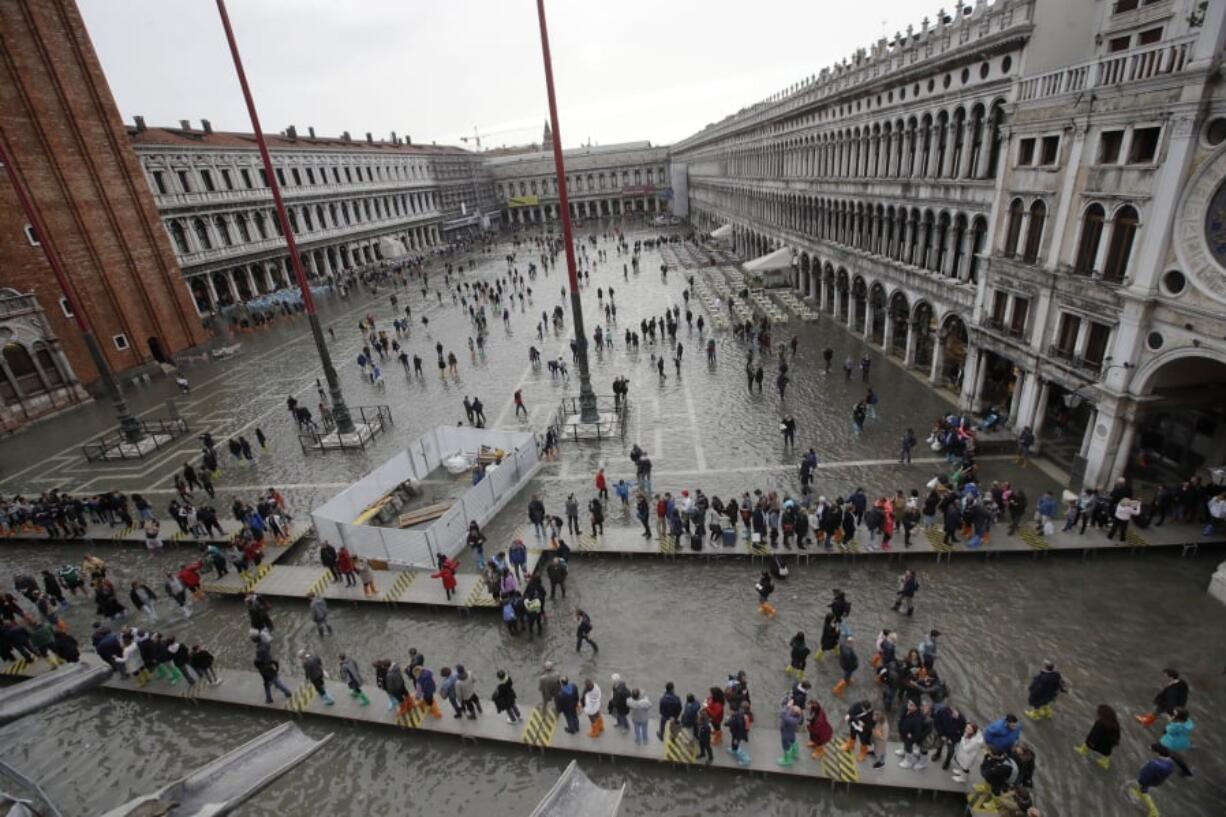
(291, 132)
(369, 139)
(206, 126)
(311, 130)
(408, 140)
(395, 141)
(140, 123)
(185, 124)
(345, 136)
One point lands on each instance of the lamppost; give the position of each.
(340, 412)
(587, 398)
(129, 428)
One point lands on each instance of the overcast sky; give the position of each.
(625, 69)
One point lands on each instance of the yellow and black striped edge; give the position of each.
(410, 719)
(253, 577)
(143, 677)
(680, 746)
(668, 545)
(758, 548)
(841, 766)
(177, 536)
(123, 533)
(1033, 539)
(849, 547)
(480, 596)
(301, 698)
(586, 543)
(321, 583)
(397, 588)
(192, 692)
(540, 726)
(18, 667)
(936, 539)
(1134, 539)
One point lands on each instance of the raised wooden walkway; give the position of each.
(543, 730)
(621, 539)
(99, 534)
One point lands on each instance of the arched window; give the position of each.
(47, 363)
(22, 367)
(202, 234)
(1091, 236)
(1123, 233)
(179, 236)
(1034, 233)
(1014, 231)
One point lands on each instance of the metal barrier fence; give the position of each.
(157, 434)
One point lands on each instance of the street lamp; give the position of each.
(587, 398)
(129, 428)
(340, 412)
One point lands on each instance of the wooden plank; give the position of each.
(425, 514)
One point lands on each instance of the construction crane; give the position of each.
(478, 135)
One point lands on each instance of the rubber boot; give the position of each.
(717, 737)
(1104, 761)
(1151, 808)
(1034, 714)
(175, 675)
(864, 750)
(600, 725)
(789, 757)
(847, 745)
(819, 752)
(327, 698)
(1082, 750)
(1147, 719)
(592, 733)
(363, 700)
(742, 757)
(820, 655)
(435, 712)
(161, 672)
(353, 693)
(1045, 711)
(839, 688)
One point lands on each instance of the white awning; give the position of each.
(722, 232)
(391, 248)
(777, 260)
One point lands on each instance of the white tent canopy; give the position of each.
(391, 248)
(777, 260)
(722, 232)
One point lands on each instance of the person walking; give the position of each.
(313, 668)
(466, 692)
(367, 574)
(1025, 442)
(787, 426)
(819, 729)
(319, 614)
(1153, 774)
(504, 697)
(549, 684)
(1102, 738)
(1177, 739)
(596, 508)
(1172, 696)
(849, 662)
(1044, 688)
(602, 485)
(352, 676)
(765, 586)
(519, 403)
(536, 515)
(702, 731)
(572, 515)
(446, 573)
(908, 586)
(583, 632)
(799, 655)
(905, 445)
(270, 670)
(329, 559)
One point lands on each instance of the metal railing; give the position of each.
(605, 404)
(114, 447)
(376, 419)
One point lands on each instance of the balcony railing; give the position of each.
(16, 304)
(1110, 70)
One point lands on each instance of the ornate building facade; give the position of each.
(602, 181)
(346, 200)
(1021, 201)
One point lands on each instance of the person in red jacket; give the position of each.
(344, 563)
(602, 485)
(446, 572)
(189, 576)
(715, 711)
(820, 731)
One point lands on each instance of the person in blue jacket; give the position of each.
(1152, 775)
(1177, 738)
(670, 708)
(1002, 735)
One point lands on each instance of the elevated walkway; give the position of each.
(30, 696)
(541, 730)
(99, 534)
(574, 794)
(622, 540)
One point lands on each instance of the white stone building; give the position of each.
(1022, 201)
(346, 199)
(602, 181)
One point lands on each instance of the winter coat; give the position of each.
(393, 681)
(820, 731)
(319, 610)
(549, 685)
(466, 687)
(670, 706)
(591, 701)
(640, 708)
(504, 695)
(313, 668)
(350, 673)
(789, 722)
(344, 561)
(1178, 735)
(1000, 737)
(946, 724)
(848, 660)
(1044, 688)
(425, 683)
(1102, 738)
(969, 751)
(619, 700)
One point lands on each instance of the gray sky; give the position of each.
(631, 69)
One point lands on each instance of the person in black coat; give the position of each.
(1103, 737)
(1172, 696)
(949, 724)
(1043, 690)
(65, 646)
(327, 558)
